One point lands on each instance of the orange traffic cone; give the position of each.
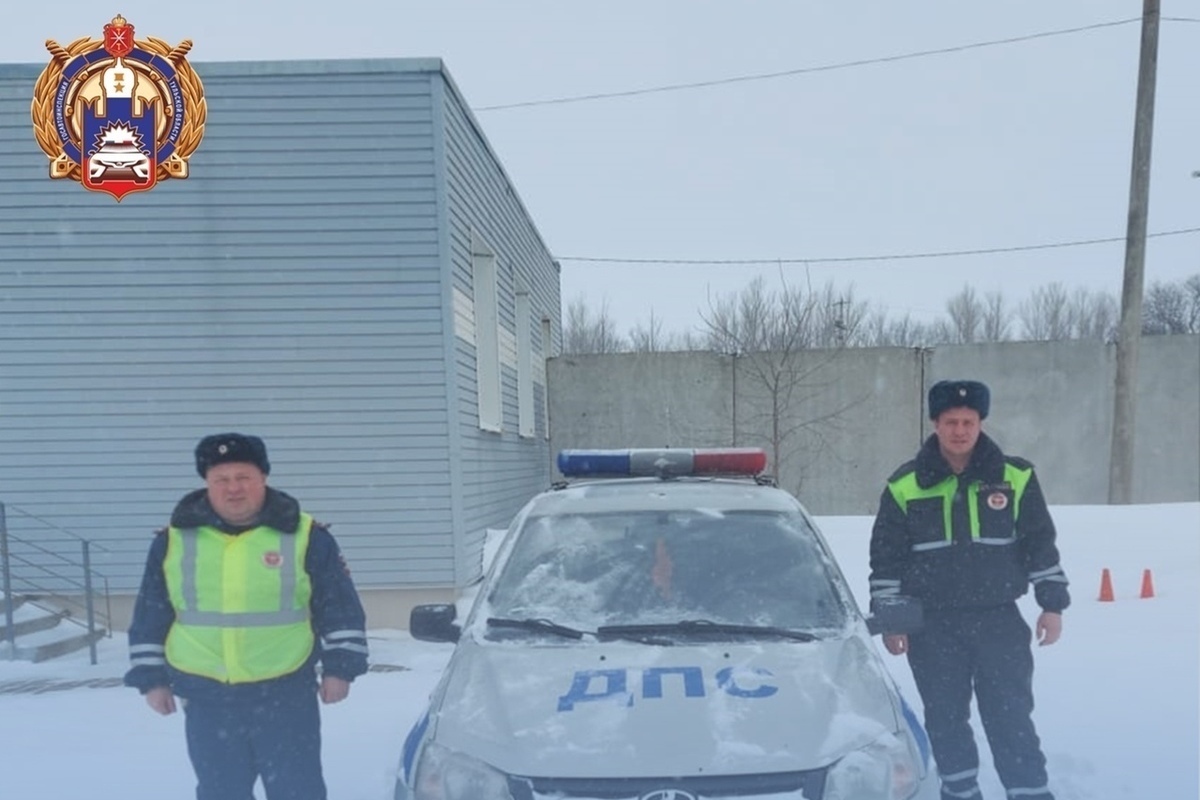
(1147, 584)
(1106, 590)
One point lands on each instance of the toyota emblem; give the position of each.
(668, 794)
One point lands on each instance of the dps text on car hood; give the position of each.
(573, 710)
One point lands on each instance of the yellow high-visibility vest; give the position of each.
(241, 602)
(906, 491)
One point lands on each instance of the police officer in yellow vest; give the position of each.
(243, 595)
(965, 528)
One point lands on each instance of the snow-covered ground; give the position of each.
(1118, 698)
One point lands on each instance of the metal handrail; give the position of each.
(25, 562)
(87, 585)
(49, 524)
(53, 553)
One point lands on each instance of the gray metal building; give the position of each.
(347, 272)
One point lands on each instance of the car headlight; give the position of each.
(882, 769)
(443, 774)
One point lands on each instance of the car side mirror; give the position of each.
(895, 614)
(434, 623)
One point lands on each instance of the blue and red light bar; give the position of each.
(662, 462)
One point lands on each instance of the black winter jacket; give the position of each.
(338, 620)
(1000, 538)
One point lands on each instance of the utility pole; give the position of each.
(1120, 477)
(839, 323)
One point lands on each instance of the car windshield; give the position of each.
(762, 569)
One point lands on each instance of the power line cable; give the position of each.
(860, 259)
(823, 67)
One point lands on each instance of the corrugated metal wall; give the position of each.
(292, 287)
(485, 212)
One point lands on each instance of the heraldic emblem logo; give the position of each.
(118, 114)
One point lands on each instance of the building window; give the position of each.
(547, 352)
(487, 337)
(525, 420)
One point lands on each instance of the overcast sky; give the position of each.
(998, 146)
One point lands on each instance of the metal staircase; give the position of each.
(50, 603)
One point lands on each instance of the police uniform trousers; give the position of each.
(987, 651)
(240, 736)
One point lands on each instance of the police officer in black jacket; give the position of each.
(965, 529)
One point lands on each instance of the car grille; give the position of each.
(807, 785)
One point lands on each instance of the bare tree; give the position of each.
(1044, 314)
(690, 340)
(757, 319)
(752, 320)
(588, 332)
(969, 318)
(876, 328)
(1094, 315)
(652, 339)
(1172, 307)
(941, 331)
(997, 320)
(767, 332)
(880, 330)
(966, 316)
(1192, 285)
(1050, 313)
(838, 318)
(648, 338)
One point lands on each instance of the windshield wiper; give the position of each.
(703, 627)
(539, 625)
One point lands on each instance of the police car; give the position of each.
(664, 625)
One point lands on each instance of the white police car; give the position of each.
(685, 635)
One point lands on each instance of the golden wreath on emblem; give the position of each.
(118, 114)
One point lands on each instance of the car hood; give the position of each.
(579, 710)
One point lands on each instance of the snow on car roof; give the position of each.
(720, 495)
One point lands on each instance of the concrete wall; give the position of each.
(853, 416)
(641, 400)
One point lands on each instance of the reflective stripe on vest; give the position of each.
(241, 602)
(905, 489)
